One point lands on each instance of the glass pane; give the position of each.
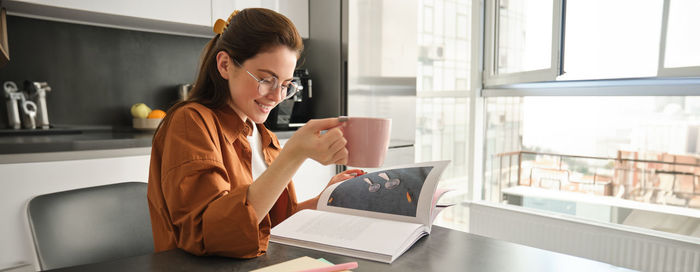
(380, 60)
(524, 35)
(444, 39)
(635, 157)
(382, 64)
(682, 37)
(441, 135)
(605, 40)
(444, 51)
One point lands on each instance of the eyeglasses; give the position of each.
(269, 85)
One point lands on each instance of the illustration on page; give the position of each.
(393, 191)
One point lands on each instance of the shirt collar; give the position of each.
(268, 138)
(231, 124)
(234, 128)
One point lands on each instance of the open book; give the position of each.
(376, 216)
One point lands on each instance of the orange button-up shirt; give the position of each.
(198, 183)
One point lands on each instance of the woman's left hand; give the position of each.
(345, 175)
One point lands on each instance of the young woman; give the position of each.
(219, 180)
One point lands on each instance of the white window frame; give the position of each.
(491, 75)
(689, 71)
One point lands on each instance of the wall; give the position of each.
(98, 72)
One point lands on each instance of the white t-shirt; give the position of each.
(257, 161)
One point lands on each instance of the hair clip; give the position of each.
(221, 25)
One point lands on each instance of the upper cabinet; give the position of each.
(181, 11)
(180, 17)
(295, 10)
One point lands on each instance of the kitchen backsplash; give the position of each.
(97, 73)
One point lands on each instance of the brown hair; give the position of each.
(251, 31)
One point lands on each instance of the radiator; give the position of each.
(634, 248)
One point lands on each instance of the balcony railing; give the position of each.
(658, 178)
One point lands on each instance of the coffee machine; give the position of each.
(297, 110)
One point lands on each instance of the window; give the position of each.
(522, 41)
(524, 36)
(682, 40)
(625, 160)
(615, 137)
(417, 55)
(444, 91)
(603, 40)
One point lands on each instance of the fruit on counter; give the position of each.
(140, 110)
(156, 114)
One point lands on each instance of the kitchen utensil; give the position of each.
(29, 110)
(13, 96)
(183, 91)
(37, 90)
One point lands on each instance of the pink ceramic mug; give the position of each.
(368, 140)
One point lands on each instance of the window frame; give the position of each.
(491, 77)
(677, 81)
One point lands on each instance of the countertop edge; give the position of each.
(74, 155)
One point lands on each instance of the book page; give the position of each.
(437, 208)
(403, 193)
(438, 194)
(347, 231)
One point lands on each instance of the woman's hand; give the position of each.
(327, 148)
(345, 175)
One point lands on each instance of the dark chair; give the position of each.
(90, 225)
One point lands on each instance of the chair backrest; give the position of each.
(90, 225)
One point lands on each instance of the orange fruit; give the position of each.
(156, 114)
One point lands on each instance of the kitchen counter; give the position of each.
(74, 139)
(78, 142)
(88, 142)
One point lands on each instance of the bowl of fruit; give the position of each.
(145, 118)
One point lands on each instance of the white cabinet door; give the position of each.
(221, 9)
(178, 17)
(195, 12)
(311, 178)
(298, 12)
(295, 10)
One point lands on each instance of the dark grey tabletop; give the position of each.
(442, 250)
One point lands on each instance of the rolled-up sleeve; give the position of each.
(212, 218)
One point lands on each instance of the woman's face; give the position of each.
(279, 62)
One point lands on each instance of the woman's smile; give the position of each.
(265, 108)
